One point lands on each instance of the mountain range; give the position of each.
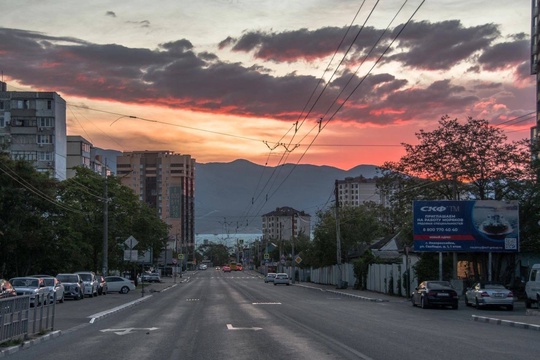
(232, 197)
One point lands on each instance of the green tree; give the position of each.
(472, 160)
(27, 210)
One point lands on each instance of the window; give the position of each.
(24, 155)
(45, 122)
(45, 156)
(45, 139)
(49, 104)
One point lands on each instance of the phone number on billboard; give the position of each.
(440, 229)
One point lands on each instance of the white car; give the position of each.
(484, 294)
(119, 284)
(269, 277)
(91, 284)
(281, 278)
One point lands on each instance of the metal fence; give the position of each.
(19, 321)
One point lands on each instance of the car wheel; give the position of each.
(124, 290)
(455, 306)
(423, 303)
(275, 284)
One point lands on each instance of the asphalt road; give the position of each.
(237, 316)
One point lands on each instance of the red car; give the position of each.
(226, 268)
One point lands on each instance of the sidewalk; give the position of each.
(526, 320)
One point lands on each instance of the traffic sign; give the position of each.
(131, 242)
(180, 256)
(174, 261)
(267, 256)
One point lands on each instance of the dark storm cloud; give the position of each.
(504, 55)
(302, 44)
(143, 23)
(110, 13)
(422, 45)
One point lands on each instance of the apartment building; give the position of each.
(81, 152)
(354, 191)
(284, 223)
(33, 128)
(165, 181)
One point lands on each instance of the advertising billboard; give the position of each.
(466, 226)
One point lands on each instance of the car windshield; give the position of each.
(86, 277)
(48, 281)
(439, 284)
(493, 286)
(25, 282)
(67, 278)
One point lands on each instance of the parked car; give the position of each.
(484, 294)
(32, 286)
(119, 284)
(532, 287)
(239, 267)
(56, 288)
(435, 293)
(203, 267)
(6, 289)
(150, 277)
(103, 287)
(90, 282)
(226, 268)
(281, 278)
(269, 277)
(73, 286)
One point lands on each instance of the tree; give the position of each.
(27, 210)
(459, 161)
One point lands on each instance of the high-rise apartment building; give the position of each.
(33, 128)
(166, 182)
(356, 191)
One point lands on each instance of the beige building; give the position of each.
(165, 181)
(284, 223)
(356, 191)
(33, 128)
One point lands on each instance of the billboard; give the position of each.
(466, 226)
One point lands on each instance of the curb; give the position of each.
(506, 322)
(29, 343)
(359, 297)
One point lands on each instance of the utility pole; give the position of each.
(293, 217)
(338, 238)
(105, 265)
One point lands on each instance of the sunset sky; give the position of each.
(323, 82)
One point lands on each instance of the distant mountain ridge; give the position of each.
(232, 197)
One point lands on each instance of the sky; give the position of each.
(323, 82)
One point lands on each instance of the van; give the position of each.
(532, 287)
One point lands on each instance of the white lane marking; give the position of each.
(266, 303)
(128, 330)
(230, 327)
(115, 309)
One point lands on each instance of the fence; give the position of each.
(20, 321)
(382, 278)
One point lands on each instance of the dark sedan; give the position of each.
(435, 293)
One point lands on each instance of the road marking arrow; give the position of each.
(230, 327)
(128, 330)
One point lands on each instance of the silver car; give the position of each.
(32, 286)
(73, 285)
(484, 294)
(56, 288)
(91, 284)
(281, 278)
